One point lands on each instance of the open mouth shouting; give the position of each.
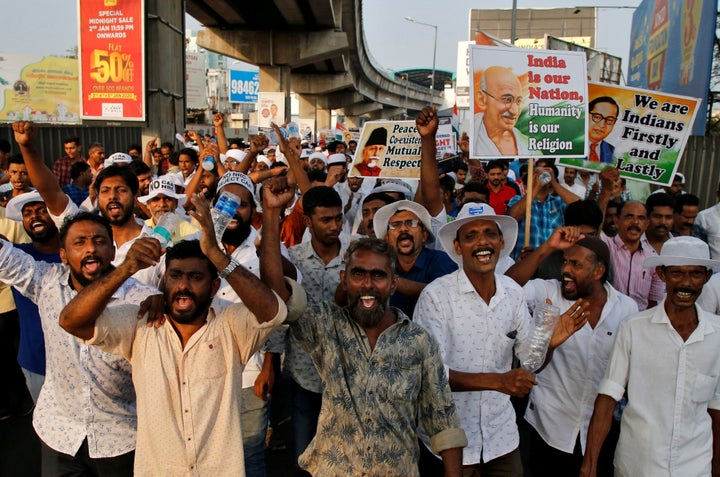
(91, 265)
(484, 255)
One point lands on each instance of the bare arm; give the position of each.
(79, 316)
(430, 195)
(715, 416)
(148, 156)
(291, 149)
(218, 122)
(452, 461)
(257, 145)
(40, 175)
(516, 382)
(257, 297)
(562, 238)
(597, 432)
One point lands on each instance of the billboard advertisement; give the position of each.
(671, 49)
(112, 59)
(39, 89)
(244, 86)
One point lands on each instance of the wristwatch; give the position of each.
(231, 266)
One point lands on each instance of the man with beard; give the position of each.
(30, 210)
(187, 370)
(481, 320)
(85, 415)
(371, 355)
(319, 261)
(667, 360)
(116, 188)
(406, 227)
(628, 250)
(560, 405)
(372, 154)
(660, 219)
(500, 193)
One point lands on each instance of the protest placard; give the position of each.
(527, 103)
(271, 109)
(388, 149)
(445, 141)
(641, 132)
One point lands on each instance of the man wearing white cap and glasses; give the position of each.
(405, 225)
(667, 359)
(163, 199)
(480, 320)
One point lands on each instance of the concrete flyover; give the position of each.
(314, 48)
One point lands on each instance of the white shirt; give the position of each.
(709, 299)
(562, 402)
(577, 189)
(475, 337)
(671, 383)
(709, 219)
(189, 401)
(87, 393)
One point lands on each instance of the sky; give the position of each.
(394, 43)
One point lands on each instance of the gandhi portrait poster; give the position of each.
(527, 103)
(641, 132)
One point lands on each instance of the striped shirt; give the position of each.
(629, 276)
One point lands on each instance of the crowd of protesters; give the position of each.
(392, 318)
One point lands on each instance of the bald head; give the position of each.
(500, 96)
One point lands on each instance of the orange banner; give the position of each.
(112, 59)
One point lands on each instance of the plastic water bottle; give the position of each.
(224, 212)
(167, 225)
(545, 318)
(208, 163)
(293, 130)
(545, 178)
(273, 136)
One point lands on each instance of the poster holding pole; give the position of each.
(527, 102)
(112, 59)
(641, 132)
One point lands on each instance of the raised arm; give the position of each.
(561, 239)
(148, 156)
(429, 195)
(257, 145)
(256, 296)
(219, 122)
(277, 194)
(291, 149)
(79, 316)
(40, 174)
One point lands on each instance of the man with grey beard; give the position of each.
(382, 374)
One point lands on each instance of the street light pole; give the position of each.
(432, 81)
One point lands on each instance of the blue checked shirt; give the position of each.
(546, 217)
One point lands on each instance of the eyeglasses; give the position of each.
(507, 99)
(597, 117)
(409, 223)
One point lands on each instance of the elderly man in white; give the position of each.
(667, 358)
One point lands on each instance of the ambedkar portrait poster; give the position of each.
(527, 103)
(641, 132)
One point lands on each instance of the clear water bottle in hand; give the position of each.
(293, 130)
(224, 212)
(545, 317)
(208, 163)
(167, 225)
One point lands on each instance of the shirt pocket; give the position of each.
(704, 388)
(403, 378)
(209, 360)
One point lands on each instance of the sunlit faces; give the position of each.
(660, 221)
(72, 150)
(369, 281)
(369, 209)
(325, 224)
(144, 181)
(37, 222)
(18, 176)
(683, 284)
(495, 177)
(88, 251)
(186, 164)
(188, 286)
(239, 227)
(684, 221)
(161, 204)
(632, 221)
(116, 200)
(406, 239)
(579, 271)
(479, 242)
(208, 184)
(96, 156)
(597, 131)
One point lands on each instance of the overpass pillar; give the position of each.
(315, 106)
(352, 121)
(277, 79)
(165, 79)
